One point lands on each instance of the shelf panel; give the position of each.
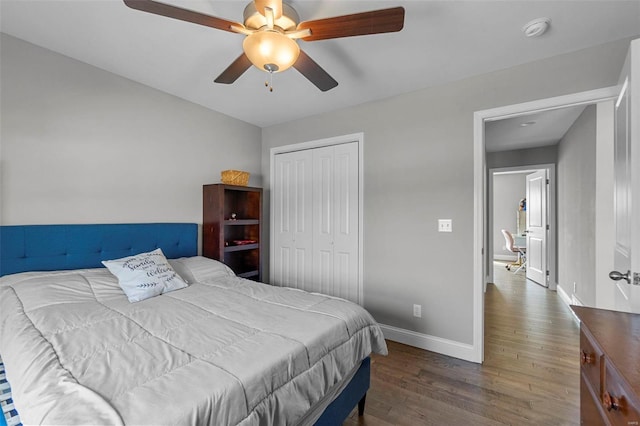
(242, 222)
(248, 274)
(241, 247)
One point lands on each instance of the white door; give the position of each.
(626, 159)
(316, 220)
(292, 263)
(537, 227)
(335, 221)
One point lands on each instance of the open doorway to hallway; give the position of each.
(578, 211)
(580, 159)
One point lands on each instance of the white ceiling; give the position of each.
(442, 41)
(540, 129)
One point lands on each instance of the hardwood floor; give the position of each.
(530, 375)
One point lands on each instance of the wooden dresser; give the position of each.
(610, 367)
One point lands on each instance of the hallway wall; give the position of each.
(576, 208)
(508, 190)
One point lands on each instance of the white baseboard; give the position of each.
(568, 300)
(447, 347)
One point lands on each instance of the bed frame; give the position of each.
(26, 248)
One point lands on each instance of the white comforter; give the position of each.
(222, 351)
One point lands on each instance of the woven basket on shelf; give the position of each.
(235, 177)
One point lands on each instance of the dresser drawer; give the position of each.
(620, 404)
(590, 411)
(591, 361)
(610, 367)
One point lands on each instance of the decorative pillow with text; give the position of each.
(145, 275)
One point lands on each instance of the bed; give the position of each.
(222, 350)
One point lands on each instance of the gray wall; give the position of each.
(418, 167)
(522, 157)
(83, 145)
(508, 190)
(576, 207)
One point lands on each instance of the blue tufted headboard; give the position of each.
(60, 247)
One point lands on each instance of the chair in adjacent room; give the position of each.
(520, 251)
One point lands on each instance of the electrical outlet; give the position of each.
(417, 311)
(445, 225)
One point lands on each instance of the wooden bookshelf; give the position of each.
(231, 225)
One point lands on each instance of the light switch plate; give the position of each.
(444, 225)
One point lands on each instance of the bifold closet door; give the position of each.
(335, 220)
(316, 218)
(292, 200)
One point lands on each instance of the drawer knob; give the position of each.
(610, 402)
(586, 358)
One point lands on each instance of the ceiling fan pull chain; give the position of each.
(269, 83)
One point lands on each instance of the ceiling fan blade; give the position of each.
(374, 22)
(181, 14)
(314, 72)
(235, 70)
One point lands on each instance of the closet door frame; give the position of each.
(337, 140)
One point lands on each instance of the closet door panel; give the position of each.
(345, 287)
(293, 219)
(345, 208)
(346, 216)
(323, 280)
(323, 217)
(323, 191)
(301, 269)
(283, 270)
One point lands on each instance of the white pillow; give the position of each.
(197, 268)
(145, 275)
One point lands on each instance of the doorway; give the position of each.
(507, 190)
(481, 182)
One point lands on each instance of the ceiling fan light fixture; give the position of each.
(271, 51)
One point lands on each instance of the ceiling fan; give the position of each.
(272, 28)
